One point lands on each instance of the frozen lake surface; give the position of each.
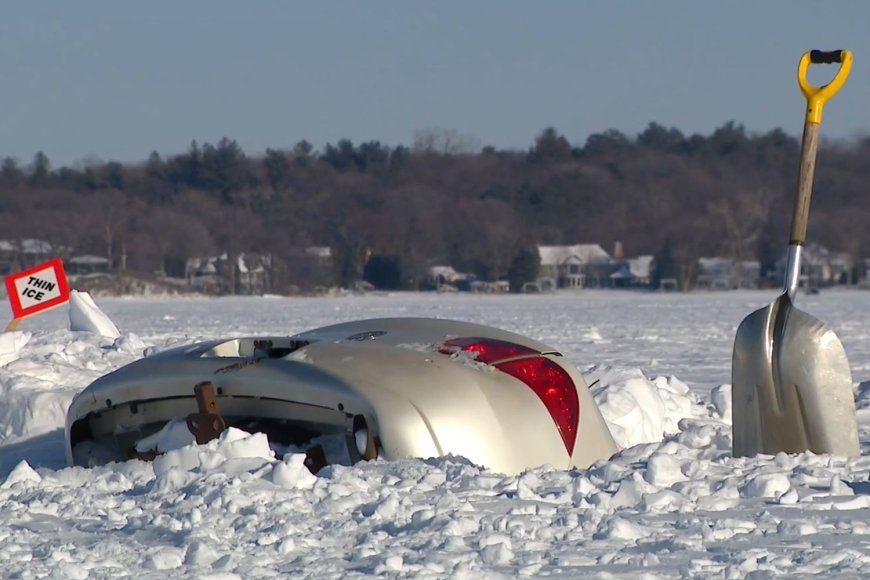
(686, 335)
(676, 505)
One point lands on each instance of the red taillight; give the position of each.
(547, 379)
(489, 350)
(555, 388)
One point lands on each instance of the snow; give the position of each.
(673, 502)
(578, 253)
(11, 344)
(86, 316)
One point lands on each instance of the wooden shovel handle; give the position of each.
(809, 147)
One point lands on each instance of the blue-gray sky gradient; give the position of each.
(117, 80)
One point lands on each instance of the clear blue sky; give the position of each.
(117, 80)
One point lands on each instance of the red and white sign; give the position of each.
(38, 288)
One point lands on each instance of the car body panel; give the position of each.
(392, 374)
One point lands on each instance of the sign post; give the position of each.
(36, 289)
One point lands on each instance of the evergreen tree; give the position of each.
(524, 267)
(40, 169)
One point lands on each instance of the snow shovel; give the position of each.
(791, 383)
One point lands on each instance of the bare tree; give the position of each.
(743, 217)
(444, 142)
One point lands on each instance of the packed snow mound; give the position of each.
(641, 410)
(22, 472)
(11, 344)
(234, 510)
(49, 369)
(234, 450)
(173, 435)
(678, 507)
(85, 315)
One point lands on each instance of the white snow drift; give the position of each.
(672, 503)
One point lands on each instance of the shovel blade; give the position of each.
(791, 385)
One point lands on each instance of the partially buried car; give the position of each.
(390, 388)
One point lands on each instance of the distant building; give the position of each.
(726, 274)
(438, 276)
(577, 266)
(252, 273)
(87, 264)
(715, 273)
(447, 279)
(634, 273)
(17, 255)
(202, 274)
(497, 287)
(319, 252)
(247, 274)
(820, 267)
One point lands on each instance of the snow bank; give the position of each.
(681, 507)
(22, 473)
(672, 504)
(85, 315)
(47, 372)
(641, 410)
(11, 344)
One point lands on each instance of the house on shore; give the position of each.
(247, 274)
(577, 266)
(726, 274)
(86, 265)
(634, 273)
(17, 255)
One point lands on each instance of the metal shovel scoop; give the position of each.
(791, 383)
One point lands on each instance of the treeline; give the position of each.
(441, 202)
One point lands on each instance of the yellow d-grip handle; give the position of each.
(818, 96)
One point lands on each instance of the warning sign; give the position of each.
(38, 288)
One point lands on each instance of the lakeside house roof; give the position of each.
(88, 259)
(26, 246)
(641, 266)
(815, 254)
(576, 254)
(319, 251)
(446, 272)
